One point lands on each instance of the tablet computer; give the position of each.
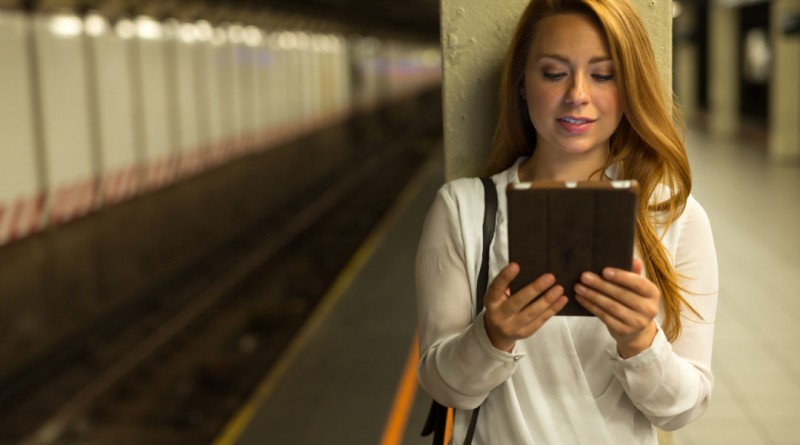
(567, 228)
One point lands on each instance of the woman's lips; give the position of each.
(575, 125)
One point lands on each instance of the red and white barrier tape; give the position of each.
(120, 185)
(21, 219)
(71, 201)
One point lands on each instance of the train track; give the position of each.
(187, 356)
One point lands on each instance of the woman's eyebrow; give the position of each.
(599, 59)
(564, 59)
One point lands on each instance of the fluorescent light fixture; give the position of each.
(95, 24)
(125, 29)
(188, 32)
(171, 28)
(236, 33)
(253, 36)
(204, 31)
(220, 37)
(148, 29)
(677, 9)
(66, 25)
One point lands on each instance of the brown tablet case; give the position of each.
(568, 228)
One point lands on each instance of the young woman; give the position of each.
(581, 99)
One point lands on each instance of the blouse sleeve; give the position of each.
(671, 383)
(458, 364)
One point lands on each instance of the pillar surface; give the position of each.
(723, 70)
(784, 108)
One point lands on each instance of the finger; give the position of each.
(631, 280)
(613, 323)
(543, 303)
(498, 292)
(639, 297)
(549, 310)
(638, 266)
(618, 328)
(530, 292)
(607, 304)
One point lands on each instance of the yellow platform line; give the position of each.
(403, 399)
(403, 402)
(239, 422)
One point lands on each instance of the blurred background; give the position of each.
(190, 192)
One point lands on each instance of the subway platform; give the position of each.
(349, 377)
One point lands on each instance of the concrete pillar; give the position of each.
(685, 51)
(723, 70)
(784, 104)
(475, 35)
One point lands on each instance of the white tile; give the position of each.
(724, 410)
(791, 354)
(723, 405)
(738, 355)
(785, 434)
(775, 407)
(722, 432)
(682, 438)
(754, 210)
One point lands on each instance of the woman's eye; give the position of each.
(602, 77)
(554, 76)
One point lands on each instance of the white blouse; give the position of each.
(565, 384)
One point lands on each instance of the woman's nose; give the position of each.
(577, 93)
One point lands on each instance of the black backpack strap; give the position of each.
(473, 420)
(436, 423)
(437, 416)
(489, 218)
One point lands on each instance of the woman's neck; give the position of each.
(564, 167)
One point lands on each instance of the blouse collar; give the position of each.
(512, 174)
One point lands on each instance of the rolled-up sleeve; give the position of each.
(671, 383)
(458, 364)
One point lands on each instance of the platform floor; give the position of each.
(754, 208)
(342, 380)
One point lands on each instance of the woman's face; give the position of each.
(569, 86)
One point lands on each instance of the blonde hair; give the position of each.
(646, 144)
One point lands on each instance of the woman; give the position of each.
(580, 99)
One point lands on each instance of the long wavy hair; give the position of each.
(646, 145)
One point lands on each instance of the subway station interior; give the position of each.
(209, 211)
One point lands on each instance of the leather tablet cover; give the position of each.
(569, 228)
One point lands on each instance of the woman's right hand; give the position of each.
(509, 318)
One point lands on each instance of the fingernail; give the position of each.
(609, 272)
(580, 288)
(588, 277)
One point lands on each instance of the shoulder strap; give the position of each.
(437, 416)
(489, 218)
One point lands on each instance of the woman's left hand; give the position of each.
(626, 302)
